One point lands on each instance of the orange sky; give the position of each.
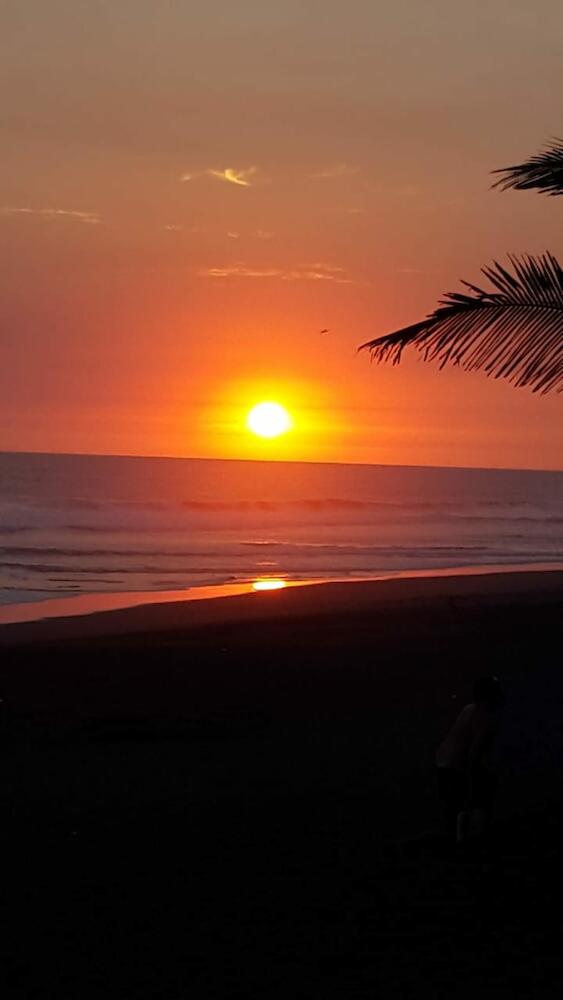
(188, 196)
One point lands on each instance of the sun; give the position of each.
(268, 420)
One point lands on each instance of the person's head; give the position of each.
(488, 693)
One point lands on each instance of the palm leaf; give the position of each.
(514, 331)
(543, 171)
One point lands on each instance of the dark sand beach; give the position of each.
(236, 797)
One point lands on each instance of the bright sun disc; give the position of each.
(268, 420)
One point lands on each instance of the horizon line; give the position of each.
(281, 461)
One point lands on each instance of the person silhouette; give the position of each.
(466, 782)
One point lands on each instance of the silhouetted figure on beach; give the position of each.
(466, 782)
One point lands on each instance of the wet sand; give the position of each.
(237, 798)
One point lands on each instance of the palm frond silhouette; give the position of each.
(544, 171)
(514, 331)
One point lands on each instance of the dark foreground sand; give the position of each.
(234, 799)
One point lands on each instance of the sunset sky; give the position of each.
(191, 192)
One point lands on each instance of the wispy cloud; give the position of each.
(314, 274)
(173, 228)
(260, 234)
(320, 265)
(241, 177)
(336, 170)
(240, 271)
(310, 272)
(88, 218)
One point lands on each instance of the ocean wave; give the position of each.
(277, 547)
(298, 559)
(408, 522)
(92, 523)
(15, 514)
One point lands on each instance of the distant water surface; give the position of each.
(72, 524)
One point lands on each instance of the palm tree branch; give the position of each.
(514, 331)
(544, 171)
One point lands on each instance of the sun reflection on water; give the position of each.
(268, 583)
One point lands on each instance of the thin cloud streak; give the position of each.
(232, 176)
(88, 218)
(312, 272)
(240, 271)
(322, 266)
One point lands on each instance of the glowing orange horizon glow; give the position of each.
(154, 290)
(269, 584)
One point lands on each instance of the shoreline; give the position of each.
(97, 616)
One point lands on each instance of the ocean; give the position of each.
(74, 524)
